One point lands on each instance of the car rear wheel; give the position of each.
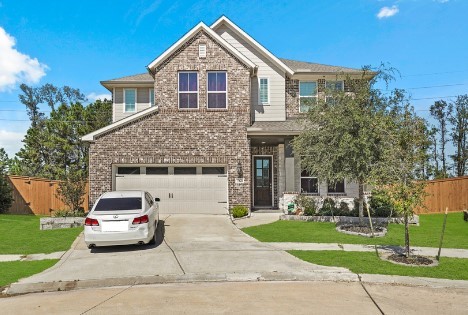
(153, 240)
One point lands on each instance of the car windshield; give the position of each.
(118, 204)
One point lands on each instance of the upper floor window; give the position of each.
(188, 90)
(151, 97)
(307, 95)
(331, 87)
(337, 187)
(130, 100)
(217, 89)
(309, 183)
(264, 91)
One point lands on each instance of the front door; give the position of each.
(262, 182)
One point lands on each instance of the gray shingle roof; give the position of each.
(303, 66)
(136, 77)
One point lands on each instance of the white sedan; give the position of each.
(122, 218)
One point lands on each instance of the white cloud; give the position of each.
(147, 11)
(387, 12)
(11, 141)
(93, 97)
(16, 67)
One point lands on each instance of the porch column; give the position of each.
(281, 171)
(289, 167)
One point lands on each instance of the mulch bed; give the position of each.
(412, 260)
(361, 228)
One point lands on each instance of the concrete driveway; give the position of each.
(190, 248)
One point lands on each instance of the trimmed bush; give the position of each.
(307, 204)
(329, 207)
(239, 211)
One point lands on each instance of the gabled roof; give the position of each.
(303, 66)
(141, 78)
(201, 27)
(252, 42)
(92, 136)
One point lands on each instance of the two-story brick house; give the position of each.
(209, 125)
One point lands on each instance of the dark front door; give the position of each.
(262, 182)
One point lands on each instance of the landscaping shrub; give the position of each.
(355, 211)
(68, 213)
(307, 204)
(380, 204)
(329, 207)
(344, 208)
(239, 211)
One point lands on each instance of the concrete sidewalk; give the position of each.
(31, 257)
(425, 251)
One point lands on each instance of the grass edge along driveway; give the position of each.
(20, 234)
(12, 271)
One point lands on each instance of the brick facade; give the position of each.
(188, 136)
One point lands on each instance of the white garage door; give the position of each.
(180, 193)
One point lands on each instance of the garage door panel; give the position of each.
(204, 194)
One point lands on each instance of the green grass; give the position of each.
(365, 262)
(20, 234)
(427, 234)
(12, 271)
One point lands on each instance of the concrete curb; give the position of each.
(414, 281)
(23, 288)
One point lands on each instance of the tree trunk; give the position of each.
(407, 240)
(361, 201)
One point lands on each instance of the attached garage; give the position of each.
(182, 189)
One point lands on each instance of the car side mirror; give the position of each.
(157, 199)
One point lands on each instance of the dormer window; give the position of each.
(130, 100)
(188, 89)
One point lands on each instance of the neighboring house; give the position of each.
(209, 125)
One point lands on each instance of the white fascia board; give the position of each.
(201, 26)
(253, 42)
(90, 136)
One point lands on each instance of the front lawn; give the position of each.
(12, 271)
(20, 234)
(426, 235)
(365, 262)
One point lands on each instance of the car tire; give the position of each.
(153, 239)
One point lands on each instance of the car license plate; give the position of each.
(115, 226)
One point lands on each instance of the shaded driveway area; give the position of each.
(190, 248)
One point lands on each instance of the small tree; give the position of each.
(72, 190)
(6, 198)
(440, 110)
(398, 171)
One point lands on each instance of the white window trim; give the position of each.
(318, 186)
(178, 92)
(259, 87)
(326, 90)
(136, 101)
(338, 193)
(216, 92)
(150, 105)
(313, 96)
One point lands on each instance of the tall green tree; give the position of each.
(6, 197)
(459, 134)
(344, 138)
(440, 111)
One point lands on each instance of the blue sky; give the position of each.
(79, 43)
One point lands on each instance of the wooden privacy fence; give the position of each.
(37, 196)
(448, 192)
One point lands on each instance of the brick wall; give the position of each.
(189, 136)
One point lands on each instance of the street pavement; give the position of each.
(294, 297)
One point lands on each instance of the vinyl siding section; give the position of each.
(276, 110)
(142, 102)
